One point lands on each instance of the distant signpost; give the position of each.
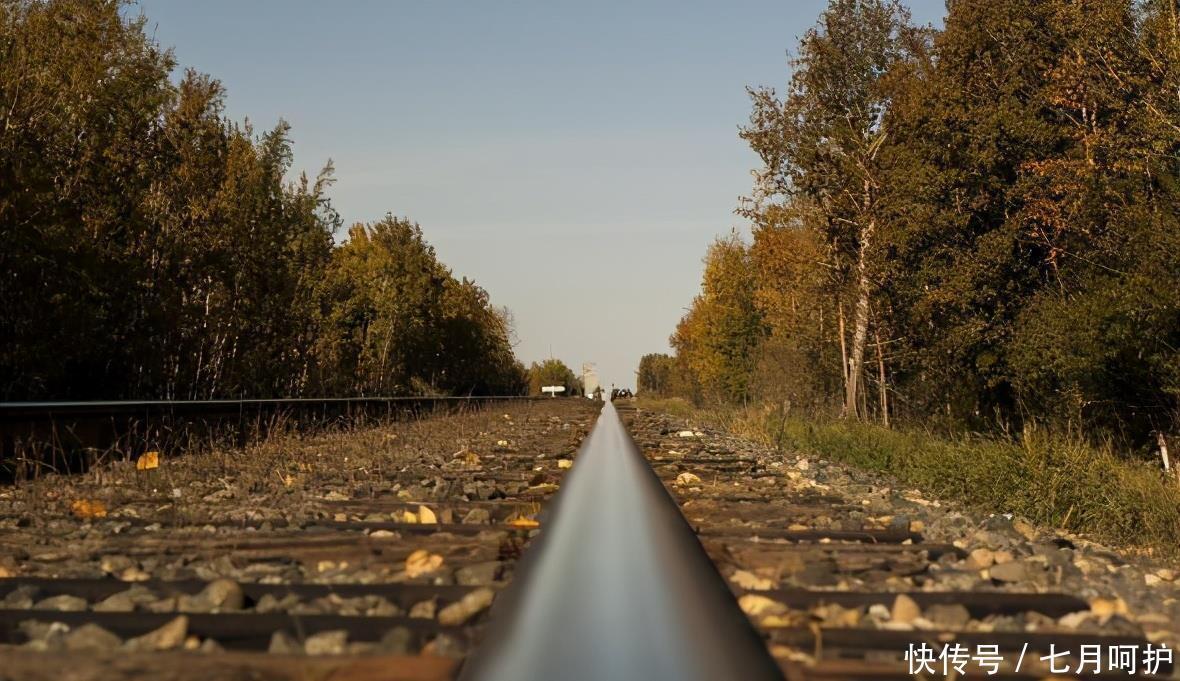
(553, 389)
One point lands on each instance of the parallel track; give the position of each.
(71, 436)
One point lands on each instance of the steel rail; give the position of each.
(617, 586)
(24, 411)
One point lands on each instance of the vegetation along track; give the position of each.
(376, 553)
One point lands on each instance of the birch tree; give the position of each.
(822, 143)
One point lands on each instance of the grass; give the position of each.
(1053, 480)
(282, 468)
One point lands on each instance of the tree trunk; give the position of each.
(883, 387)
(860, 322)
(1162, 442)
(843, 353)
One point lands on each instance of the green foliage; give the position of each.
(980, 224)
(397, 322)
(155, 249)
(553, 372)
(656, 374)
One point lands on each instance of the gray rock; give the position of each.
(271, 603)
(126, 601)
(20, 598)
(948, 616)
(62, 603)
(168, 604)
(445, 645)
(396, 641)
(91, 638)
(36, 630)
(478, 574)
(116, 564)
(220, 595)
(997, 522)
(1014, 571)
(477, 516)
(44, 636)
(958, 580)
(334, 642)
(467, 607)
(424, 609)
(341, 606)
(376, 606)
(281, 643)
(167, 637)
(223, 566)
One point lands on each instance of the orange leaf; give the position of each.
(87, 509)
(148, 461)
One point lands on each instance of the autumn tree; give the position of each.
(802, 361)
(822, 144)
(990, 210)
(718, 336)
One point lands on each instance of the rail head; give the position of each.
(49, 410)
(617, 586)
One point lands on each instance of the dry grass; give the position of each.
(282, 469)
(1054, 480)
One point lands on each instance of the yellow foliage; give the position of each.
(148, 461)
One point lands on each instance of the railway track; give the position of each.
(69, 437)
(378, 555)
(850, 587)
(372, 554)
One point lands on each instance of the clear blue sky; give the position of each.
(574, 158)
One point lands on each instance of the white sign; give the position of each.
(552, 389)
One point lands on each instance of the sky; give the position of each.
(574, 158)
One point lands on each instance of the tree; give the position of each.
(155, 249)
(822, 143)
(803, 359)
(553, 372)
(1033, 205)
(655, 375)
(994, 207)
(80, 94)
(718, 335)
(474, 352)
